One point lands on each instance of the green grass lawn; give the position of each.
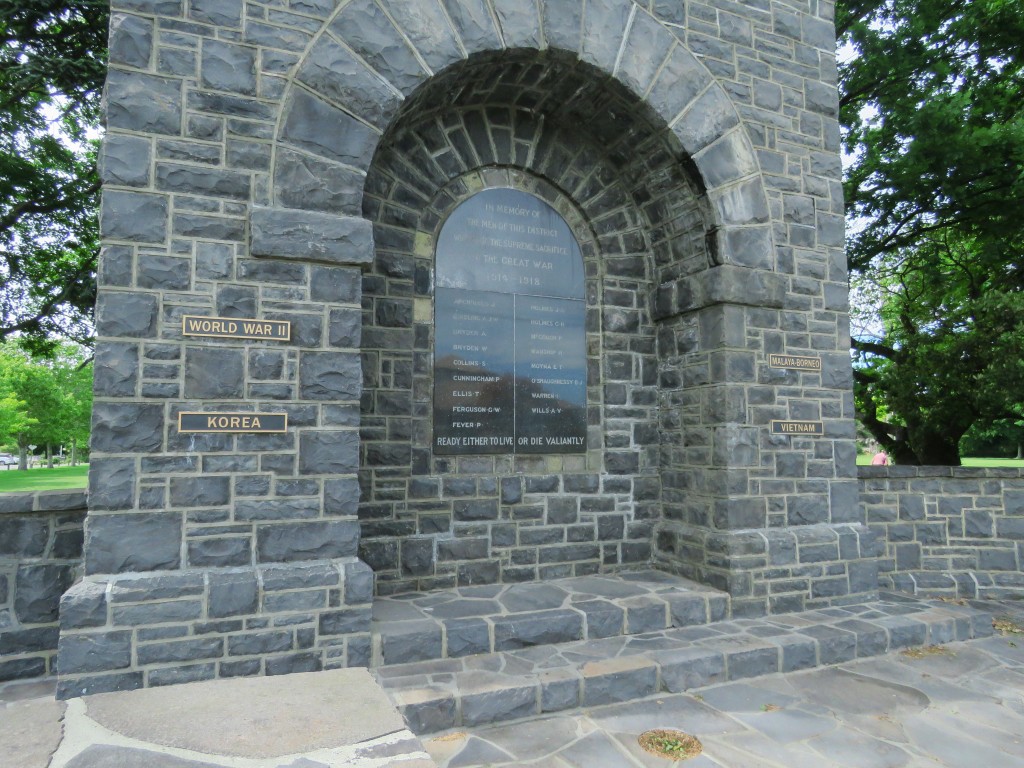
(12, 480)
(865, 459)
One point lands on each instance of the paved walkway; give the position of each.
(960, 705)
(336, 719)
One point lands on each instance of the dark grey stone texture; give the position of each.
(315, 126)
(330, 376)
(310, 236)
(123, 427)
(143, 103)
(37, 592)
(111, 483)
(328, 452)
(127, 314)
(126, 160)
(148, 541)
(95, 652)
(282, 543)
(229, 67)
(214, 373)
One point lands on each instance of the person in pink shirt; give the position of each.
(880, 459)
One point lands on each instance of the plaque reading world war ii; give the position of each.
(509, 338)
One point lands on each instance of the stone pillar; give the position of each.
(231, 552)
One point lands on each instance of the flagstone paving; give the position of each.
(853, 687)
(960, 705)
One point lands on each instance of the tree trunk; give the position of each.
(49, 456)
(22, 456)
(1020, 451)
(938, 451)
(74, 458)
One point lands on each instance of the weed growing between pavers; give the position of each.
(674, 745)
(927, 650)
(1007, 626)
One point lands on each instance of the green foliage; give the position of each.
(949, 358)
(933, 122)
(52, 66)
(932, 115)
(52, 397)
(1004, 438)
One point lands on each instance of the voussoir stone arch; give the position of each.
(371, 56)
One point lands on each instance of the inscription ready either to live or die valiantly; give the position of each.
(509, 344)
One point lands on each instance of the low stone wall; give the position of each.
(947, 531)
(40, 555)
(126, 631)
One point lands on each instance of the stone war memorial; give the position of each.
(430, 328)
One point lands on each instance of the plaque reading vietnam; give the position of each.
(509, 348)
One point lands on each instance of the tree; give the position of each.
(949, 352)
(933, 127)
(1001, 439)
(14, 417)
(56, 396)
(52, 67)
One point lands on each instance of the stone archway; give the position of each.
(242, 166)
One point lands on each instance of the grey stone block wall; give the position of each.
(947, 531)
(40, 557)
(292, 161)
(125, 632)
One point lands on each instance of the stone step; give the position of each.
(999, 585)
(505, 617)
(506, 685)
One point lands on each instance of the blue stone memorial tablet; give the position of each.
(509, 339)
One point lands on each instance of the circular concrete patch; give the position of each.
(255, 717)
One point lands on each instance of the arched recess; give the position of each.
(399, 111)
(373, 55)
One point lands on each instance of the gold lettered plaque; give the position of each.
(805, 428)
(248, 423)
(236, 328)
(796, 362)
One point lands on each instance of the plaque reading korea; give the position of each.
(509, 346)
(191, 421)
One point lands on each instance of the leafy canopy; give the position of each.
(49, 400)
(52, 65)
(933, 124)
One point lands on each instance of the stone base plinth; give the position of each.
(120, 632)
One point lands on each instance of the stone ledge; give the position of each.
(437, 695)
(284, 233)
(725, 284)
(473, 620)
(42, 501)
(901, 471)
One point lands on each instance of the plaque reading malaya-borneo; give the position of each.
(510, 368)
(796, 362)
(192, 421)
